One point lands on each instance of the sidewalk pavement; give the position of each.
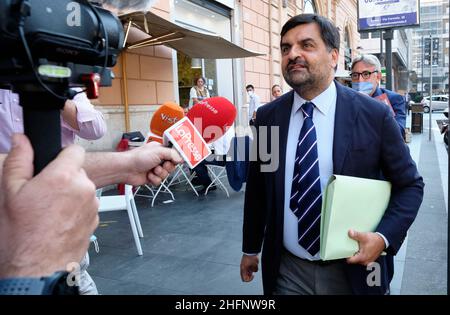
(421, 266)
(193, 245)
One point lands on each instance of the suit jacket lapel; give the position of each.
(282, 119)
(345, 117)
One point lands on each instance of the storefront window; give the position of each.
(217, 73)
(186, 77)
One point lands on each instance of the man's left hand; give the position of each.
(371, 245)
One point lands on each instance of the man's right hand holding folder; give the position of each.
(351, 211)
(371, 246)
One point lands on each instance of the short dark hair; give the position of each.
(249, 87)
(328, 32)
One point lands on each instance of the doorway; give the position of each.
(218, 73)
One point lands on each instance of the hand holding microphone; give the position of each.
(206, 122)
(150, 163)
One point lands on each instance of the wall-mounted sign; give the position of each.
(382, 14)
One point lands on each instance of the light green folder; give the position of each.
(350, 203)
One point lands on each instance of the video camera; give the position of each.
(58, 32)
(48, 46)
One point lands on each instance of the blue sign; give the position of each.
(379, 14)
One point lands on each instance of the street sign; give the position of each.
(385, 14)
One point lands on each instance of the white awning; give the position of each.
(192, 43)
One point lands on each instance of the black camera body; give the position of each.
(48, 46)
(58, 32)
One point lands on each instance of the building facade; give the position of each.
(434, 23)
(147, 77)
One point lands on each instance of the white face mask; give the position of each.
(250, 93)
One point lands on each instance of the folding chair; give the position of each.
(154, 191)
(235, 168)
(159, 190)
(124, 202)
(185, 179)
(217, 173)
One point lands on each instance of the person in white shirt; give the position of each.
(198, 92)
(254, 103)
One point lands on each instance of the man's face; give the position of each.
(306, 61)
(367, 74)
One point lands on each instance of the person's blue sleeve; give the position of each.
(399, 106)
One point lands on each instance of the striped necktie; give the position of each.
(306, 194)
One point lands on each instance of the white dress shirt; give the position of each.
(323, 118)
(222, 145)
(253, 105)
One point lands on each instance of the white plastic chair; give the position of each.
(124, 202)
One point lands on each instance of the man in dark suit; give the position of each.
(366, 77)
(322, 128)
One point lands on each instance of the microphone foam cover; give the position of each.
(212, 117)
(164, 117)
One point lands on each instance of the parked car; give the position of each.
(439, 102)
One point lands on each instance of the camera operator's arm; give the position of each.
(45, 221)
(136, 167)
(81, 118)
(69, 115)
(150, 163)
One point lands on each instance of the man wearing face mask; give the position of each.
(366, 77)
(254, 103)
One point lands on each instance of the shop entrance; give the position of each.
(189, 69)
(217, 72)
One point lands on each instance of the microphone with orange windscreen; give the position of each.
(167, 115)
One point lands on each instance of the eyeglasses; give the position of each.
(364, 74)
